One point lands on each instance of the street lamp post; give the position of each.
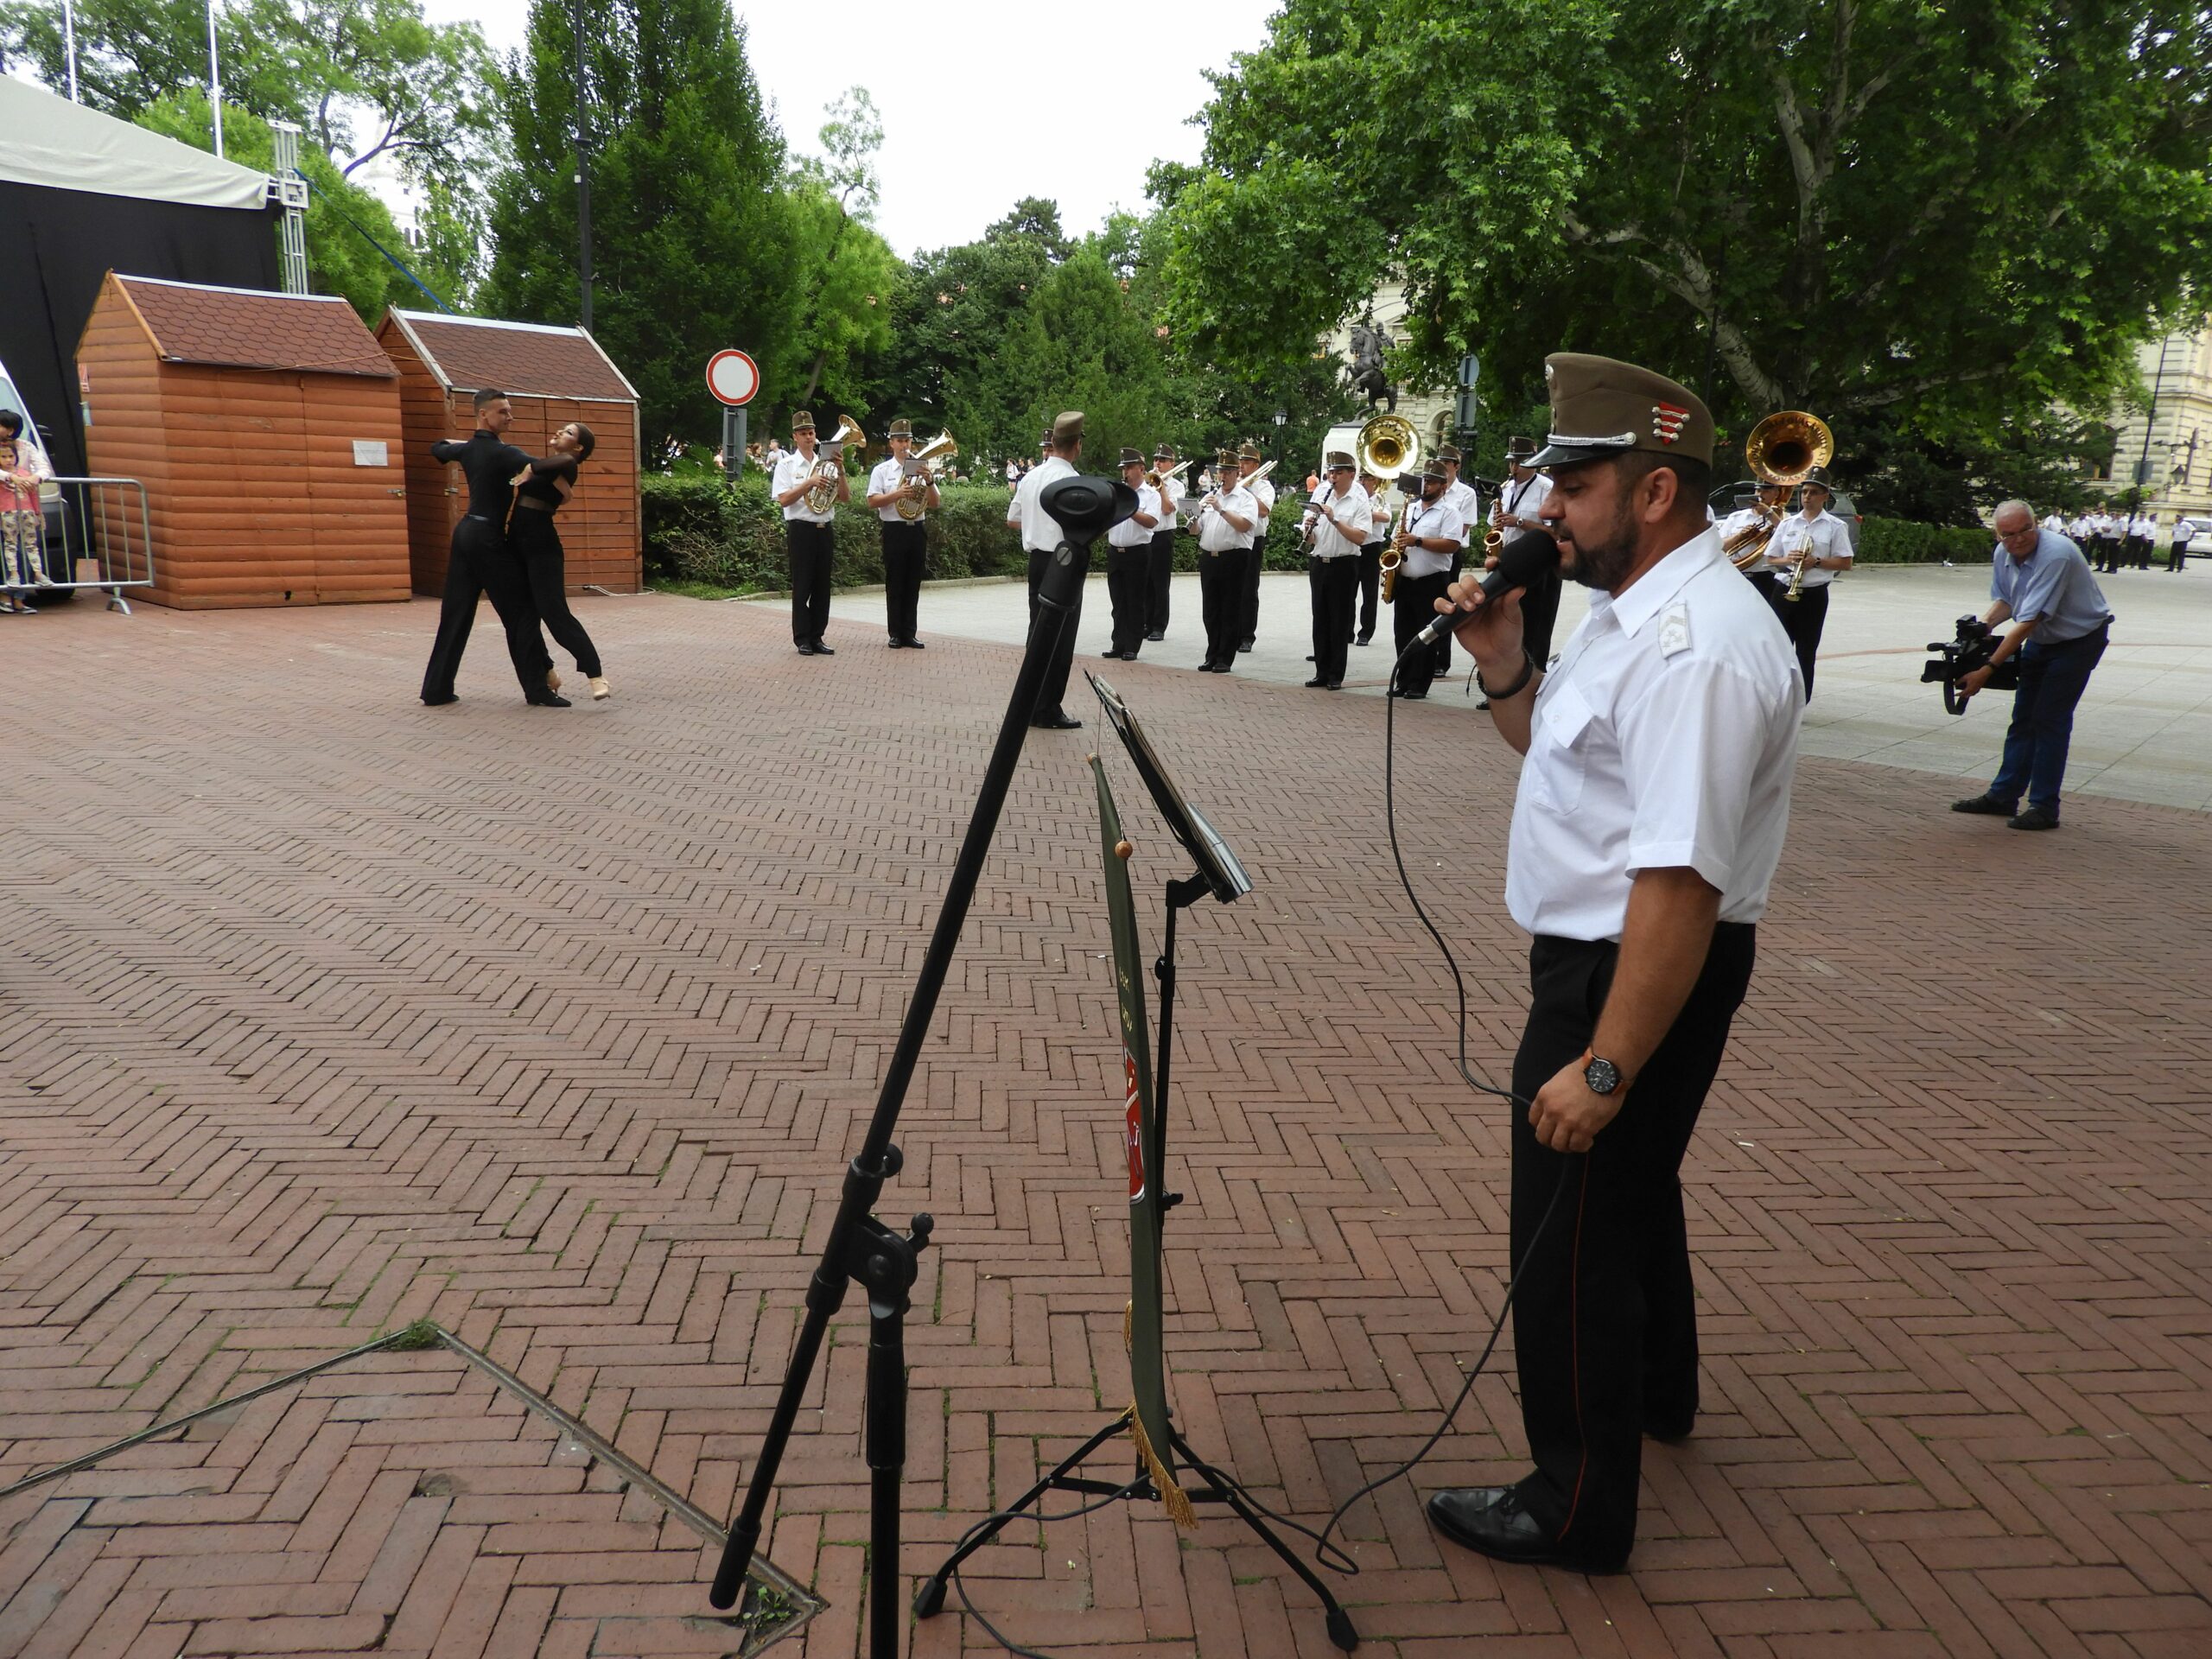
(1281, 417)
(215, 79)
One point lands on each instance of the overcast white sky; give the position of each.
(971, 121)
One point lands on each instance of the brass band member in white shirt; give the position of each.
(1343, 518)
(1820, 541)
(1227, 520)
(1128, 558)
(810, 536)
(1370, 557)
(1648, 819)
(905, 541)
(1516, 509)
(1159, 563)
(1467, 504)
(1264, 498)
(1041, 536)
(1429, 537)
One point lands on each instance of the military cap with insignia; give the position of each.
(1339, 460)
(1165, 452)
(1449, 452)
(1067, 429)
(1249, 451)
(1519, 450)
(900, 429)
(1602, 407)
(1132, 457)
(802, 421)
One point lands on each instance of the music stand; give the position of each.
(1156, 1441)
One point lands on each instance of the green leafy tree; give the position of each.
(1920, 221)
(846, 272)
(691, 229)
(340, 259)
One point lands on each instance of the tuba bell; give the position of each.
(830, 465)
(917, 466)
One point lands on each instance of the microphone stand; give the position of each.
(886, 1261)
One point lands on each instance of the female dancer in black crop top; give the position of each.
(542, 488)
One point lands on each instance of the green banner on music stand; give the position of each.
(1142, 1328)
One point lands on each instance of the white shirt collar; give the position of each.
(1649, 594)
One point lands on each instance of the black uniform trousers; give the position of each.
(1221, 597)
(1412, 609)
(1247, 616)
(905, 552)
(1370, 585)
(1335, 584)
(1159, 575)
(479, 564)
(1055, 672)
(536, 544)
(1802, 619)
(812, 548)
(1128, 571)
(1605, 1323)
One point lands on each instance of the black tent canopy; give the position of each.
(82, 194)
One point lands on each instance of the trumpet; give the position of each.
(822, 492)
(917, 466)
(1156, 478)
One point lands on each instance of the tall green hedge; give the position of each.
(1897, 541)
(702, 530)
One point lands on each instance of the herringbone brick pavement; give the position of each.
(321, 1012)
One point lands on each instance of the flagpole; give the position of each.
(215, 79)
(69, 44)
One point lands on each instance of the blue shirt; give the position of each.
(2051, 588)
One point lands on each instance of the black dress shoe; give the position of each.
(1112, 654)
(1128, 655)
(1670, 1432)
(1316, 683)
(1489, 1519)
(549, 700)
(2034, 818)
(806, 647)
(439, 703)
(1365, 640)
(1056, 721)
(913, 644)
(1155, 636)
(820, 650)
(1309, 656)
(1246, 646)
(1987, 806)
(1334, 685)
(897, 644)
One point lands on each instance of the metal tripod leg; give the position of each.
(1339, 1622)
(930, 1600)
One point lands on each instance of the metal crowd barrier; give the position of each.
(106, 539)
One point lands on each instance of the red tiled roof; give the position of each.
(251, 329)
(469, 353)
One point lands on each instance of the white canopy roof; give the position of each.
(48, 140)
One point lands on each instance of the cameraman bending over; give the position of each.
(2041, 585)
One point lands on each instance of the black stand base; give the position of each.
(1219, 1489)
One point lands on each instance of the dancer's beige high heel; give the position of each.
(553, 679)
(600, 688)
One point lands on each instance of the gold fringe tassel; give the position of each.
(1172, 1497)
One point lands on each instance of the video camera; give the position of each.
(1956, 658)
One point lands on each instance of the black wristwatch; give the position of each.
(1601, 1076)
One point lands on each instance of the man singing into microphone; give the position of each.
(1649, 818)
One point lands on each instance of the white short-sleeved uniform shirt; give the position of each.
(1830, 538)
(888, 474)
(788, 471)
(1525, 498)
(1216, 533)
(1129, 532)
(1432, 520)
(1040, 531)
(1344, 514)
(1467, 504)
(1667, 737)
(1264, 498)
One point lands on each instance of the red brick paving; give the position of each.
(321, 1012)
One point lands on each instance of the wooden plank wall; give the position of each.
(254, 497)
(436, 498)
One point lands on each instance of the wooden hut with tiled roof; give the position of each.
(265, 427)
(552, 376)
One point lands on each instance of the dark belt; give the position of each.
(480, 518)
(2097, 633)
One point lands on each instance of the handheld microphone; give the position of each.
(1526, 559)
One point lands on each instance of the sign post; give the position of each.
(1463, 413)
(733, 379)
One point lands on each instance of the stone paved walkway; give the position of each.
(322, 1012)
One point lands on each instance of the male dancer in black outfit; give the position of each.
(479, 563)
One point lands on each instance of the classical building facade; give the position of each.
(2168, 444)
